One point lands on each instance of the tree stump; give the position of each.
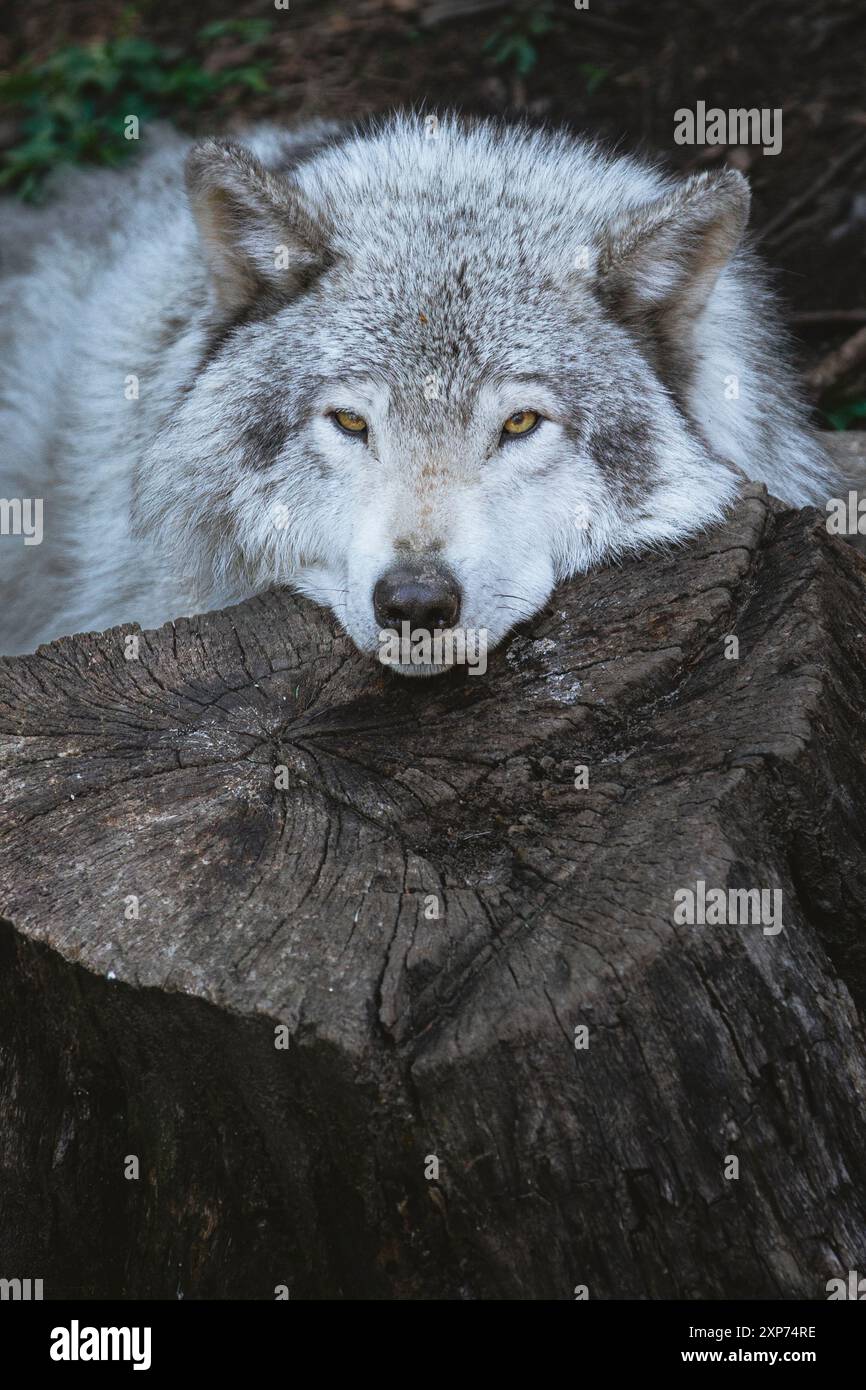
(424, 1023)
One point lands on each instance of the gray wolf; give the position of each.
(421, 372)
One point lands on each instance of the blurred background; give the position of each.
(70, 73)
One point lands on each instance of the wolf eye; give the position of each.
(349, 421)
(521, 422)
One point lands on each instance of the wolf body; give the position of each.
(180, 342)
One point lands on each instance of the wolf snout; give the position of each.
(425, 595)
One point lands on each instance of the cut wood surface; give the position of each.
(433, 910)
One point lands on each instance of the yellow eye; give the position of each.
(349, 421)
(521, 422)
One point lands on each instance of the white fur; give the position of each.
(451, 257)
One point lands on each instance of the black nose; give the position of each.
(425, 595)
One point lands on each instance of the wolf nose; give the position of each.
(425, 596)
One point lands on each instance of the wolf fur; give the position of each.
(175, 339)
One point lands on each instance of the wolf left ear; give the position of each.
(665, 258)
(257, 231)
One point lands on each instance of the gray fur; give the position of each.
(433, 285)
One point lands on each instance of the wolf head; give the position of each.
(445, 368)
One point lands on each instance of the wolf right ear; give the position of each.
(662, 260)
(257, 231)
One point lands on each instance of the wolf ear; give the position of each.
(664, 259)
(258, 233)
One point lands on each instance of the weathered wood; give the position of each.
(414, 1036)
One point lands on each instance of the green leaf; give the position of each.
(251, 77)
(594, 76)
(249, 30)
(137, 53)
(841, 417)
(540, 23)
(71, 107)
(17, 86)
(526, 56)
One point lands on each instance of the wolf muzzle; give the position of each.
(423, 594)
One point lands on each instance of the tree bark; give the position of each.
(168, 909)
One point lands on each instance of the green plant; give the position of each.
(843, 415)
(513, 40)
(247, 30)
(73, 107)
(593, 76)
